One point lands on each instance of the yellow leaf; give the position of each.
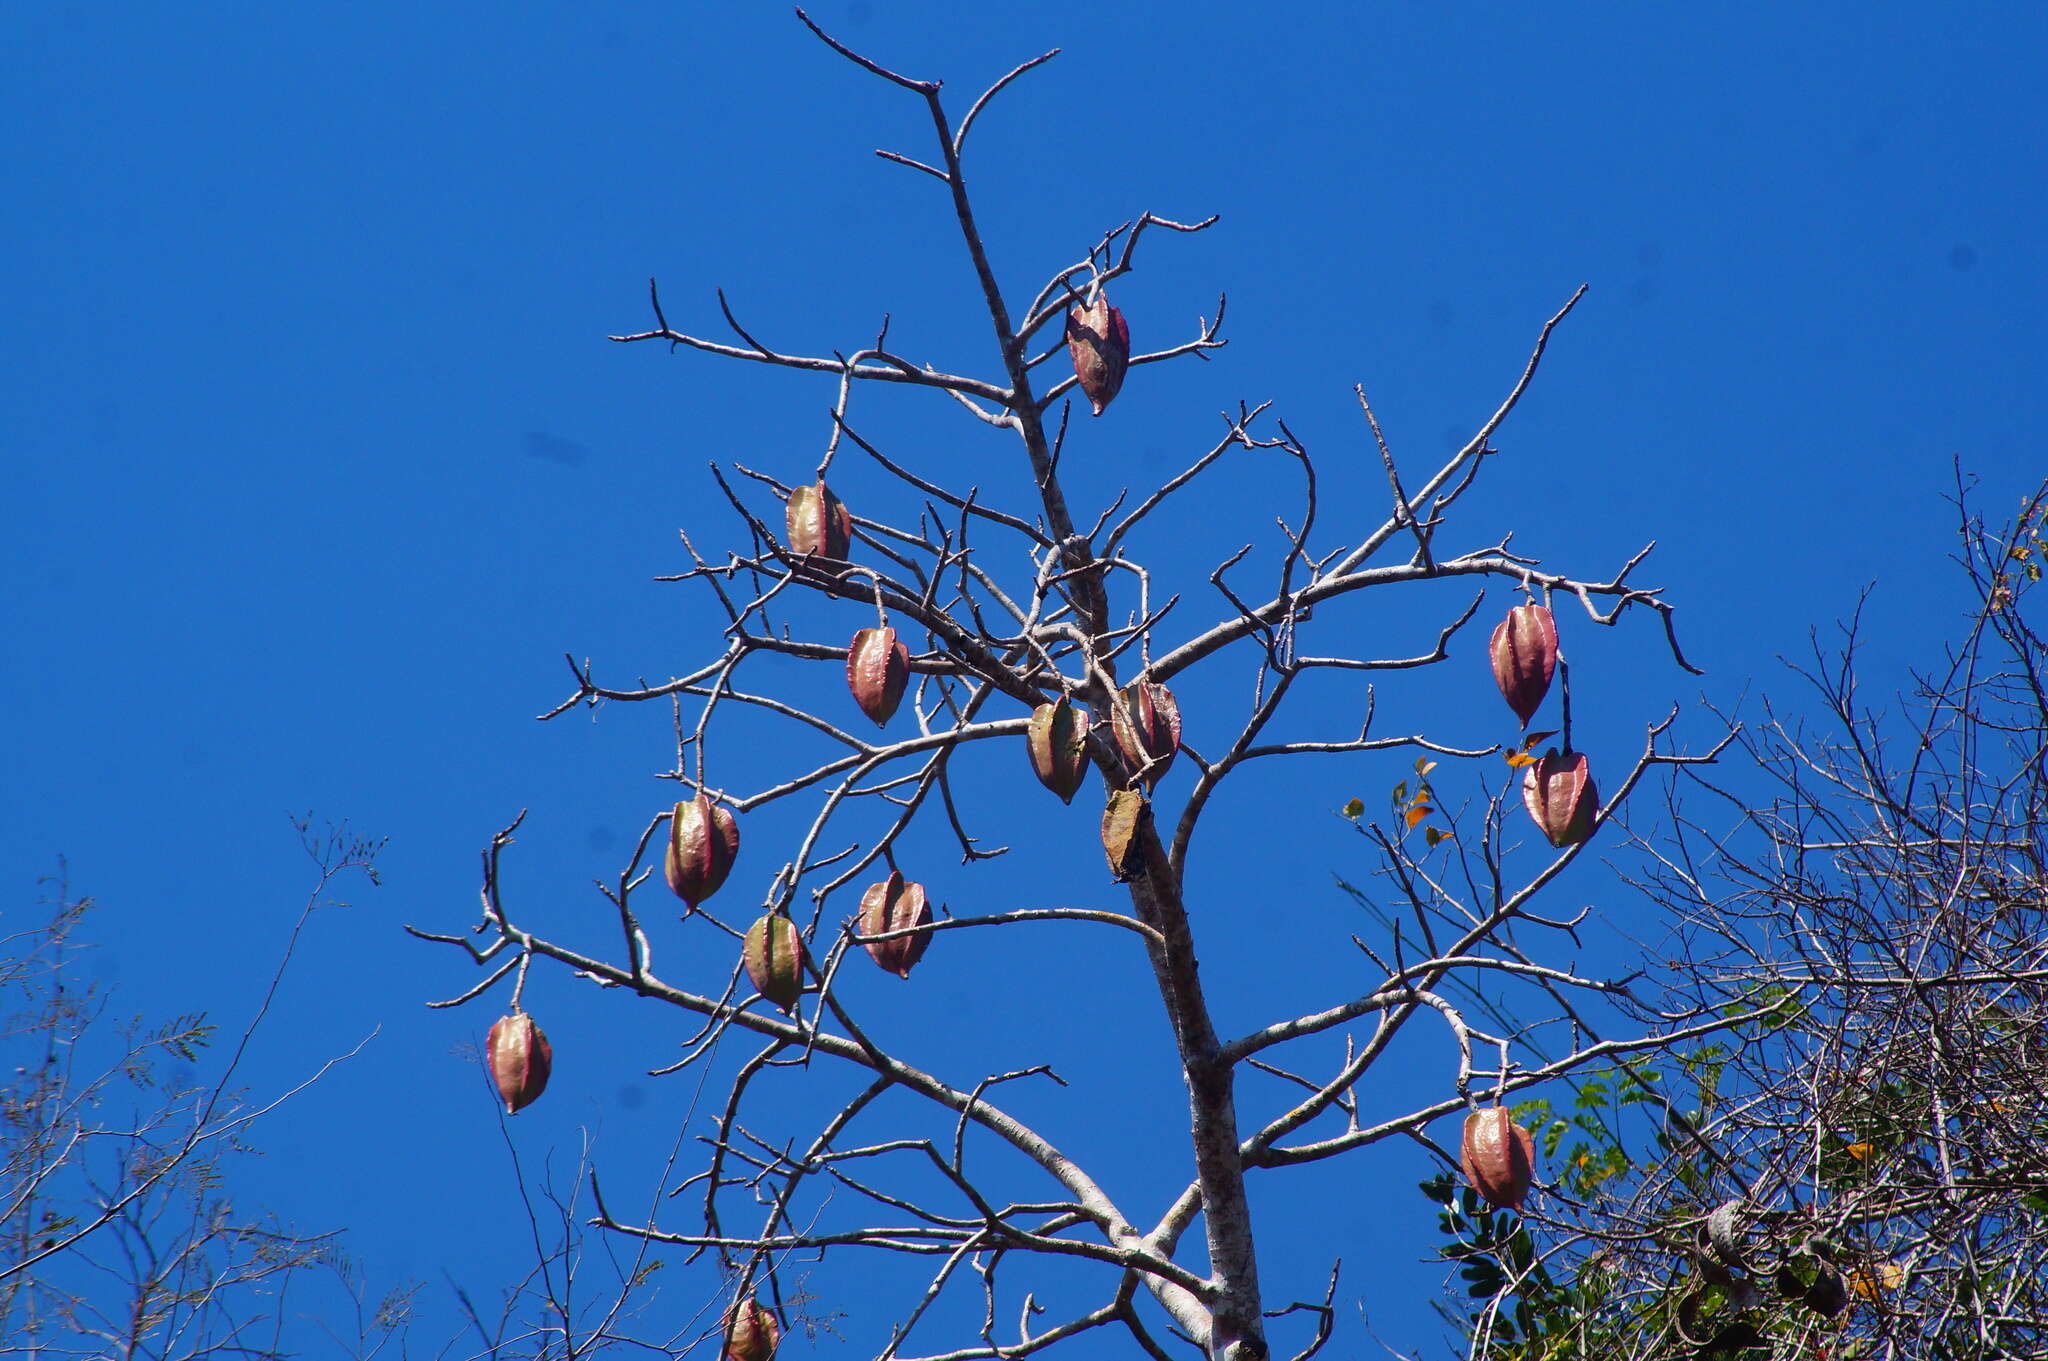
(1418, 813)
(1355, 809)
(1869, 1283)
(1518, 759)
(1861, 1152)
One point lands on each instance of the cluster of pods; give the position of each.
(1497, 1155)
(704, 840)
(1556, 787)
(820, 527)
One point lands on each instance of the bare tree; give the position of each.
(1019, 624)
(1863, 1171)
(120, 1233)
(585, 1292)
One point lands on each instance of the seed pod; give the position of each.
(1100, 343)
(1123, 822)
(1146, 722)
(1524, 654)
(893, 905)
(520, 1059)
(751, 1332)
(1559, 794)
(877, 670)
(774, 956)
(1499, 1157)
(819, 523)
(1058, 743)
(703, 841)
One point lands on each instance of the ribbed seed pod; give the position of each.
(893, 905)
(1123, 822)
(520, 1060)
(1498, 1156)
(1099, 342)
(774, 956)
(1524, 656)
(1146, 722)
(877, 670)
(1058, 744)
(818, 523)
(703, 841)
(1558, 792)
(751, 1332)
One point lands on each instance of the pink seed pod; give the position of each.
(1100, 343)
(1499, 1157)
(1558, 792)
(703, 841)
(877, 671)
(1058, 745)
(894, 905)
(520, 1060)
(1524, 655)
(751, 1332)
(1146, 722)
(818, 522)
(774, 957)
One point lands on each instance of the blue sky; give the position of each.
(316, 460)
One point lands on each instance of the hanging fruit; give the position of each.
(1100, 343)
(894, 905)
(818, 523)
(1058, 744)
(1559, 794)
(1499, 1157)
(1123, 823)
(703, 841)
(751, 1331)
(877, 670)
(1146, 722)
(520, 1060)
(774, 956)
(1524, 654)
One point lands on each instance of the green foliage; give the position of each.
(1820, 1293)
(1518, 1310)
